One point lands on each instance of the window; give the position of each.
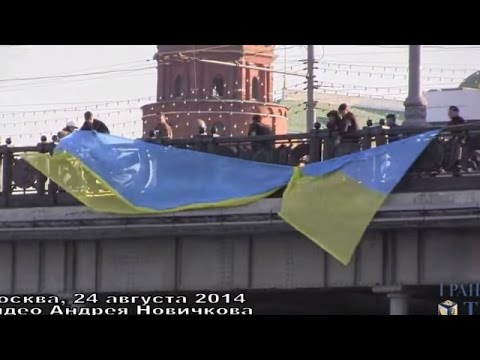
(255, 89)
(218, 86)
(178, 86)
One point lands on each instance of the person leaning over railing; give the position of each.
(67, 130)
(345, 124)
(336, 126)
(349, 124)
(334, 121)
(257, 128)
(92, 124)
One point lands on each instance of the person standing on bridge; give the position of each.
(454, 115)
(257, 128)
(392, 121)
(92, 124)
(334, 121)
(349, 121)
(214, 132)
(163, 130)
(202, 128)
(392, 124)
(456, 144)
(349, 140)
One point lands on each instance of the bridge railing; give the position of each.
(321, 145)
(22, 185)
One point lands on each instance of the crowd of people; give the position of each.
(342, 122)
(454, 152)
(162, 129)
(345, 122)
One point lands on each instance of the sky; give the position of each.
(43, 86)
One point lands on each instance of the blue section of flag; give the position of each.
(163, 178)
(381, 168)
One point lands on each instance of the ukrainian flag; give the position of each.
(333, 202)
(330, 202)
(122, 176)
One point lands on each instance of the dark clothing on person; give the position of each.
(394, 137)
(259, 129)
(331, 126)
(95, 125)
(456, 120)
(349, 124)
(344, 125)
(339, 125)
(349, 141)
(455, 146)
(64, 133)
(335, 122)
(452, 149)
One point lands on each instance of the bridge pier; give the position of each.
(397, 296)
(398, 303)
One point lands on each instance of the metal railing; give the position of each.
(436, 170)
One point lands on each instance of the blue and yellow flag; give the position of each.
(122, 176)
(330, 202)
(333, 202)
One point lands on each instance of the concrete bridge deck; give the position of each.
(416, 240)
(405, 210)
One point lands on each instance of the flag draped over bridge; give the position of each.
(330, 202)
(333, 202)
(125, 176)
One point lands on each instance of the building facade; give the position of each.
(223, 85)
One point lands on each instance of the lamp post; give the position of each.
(415, 104)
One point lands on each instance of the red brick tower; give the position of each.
(193, 85)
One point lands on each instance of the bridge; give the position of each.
(425, 235)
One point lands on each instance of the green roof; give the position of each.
(473, 81)
(297, 114)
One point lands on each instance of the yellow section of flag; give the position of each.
(332, 210)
